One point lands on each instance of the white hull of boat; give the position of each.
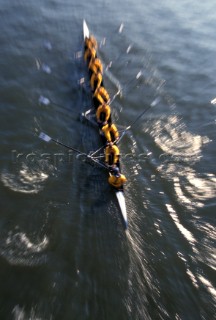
(86, 32)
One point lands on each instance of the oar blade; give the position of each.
(121, 28)
(43, 100)
(138, 74)
(129, 48)
(45, 137)
(155, 102)
(45, 68)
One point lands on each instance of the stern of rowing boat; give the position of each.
(121, 200)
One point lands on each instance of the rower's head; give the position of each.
(116, 172)
(110, 144)
(93, 40)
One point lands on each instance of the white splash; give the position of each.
(129, 48)
(46, 68)
(213, 101)
(43, 100)
(121, 28)
(103, 42)
(48, 45)
(78, 54)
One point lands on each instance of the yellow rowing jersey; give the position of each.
(96, 80)
(103, 113)
(89, 53)
(91, 42)
(112, 155)
(95, 65)
(102, 95)
(117, 182)
(110, 132)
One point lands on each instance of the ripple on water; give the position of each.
(26, 179)
(175, 141)
(180, 150)
(18, 249)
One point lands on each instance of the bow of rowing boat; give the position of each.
(86, 32)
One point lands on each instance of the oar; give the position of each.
(45, 68)
(121, 27)
(103, 41)
(127, 86)
(115, 95)
(153, 104)
(47, 138)
(46, 102)
(120, 56)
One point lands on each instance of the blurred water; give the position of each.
(64, 253)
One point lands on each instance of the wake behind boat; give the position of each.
(91, 116)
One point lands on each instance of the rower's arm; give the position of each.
(106, 155)
(98, 112)
(115, 131)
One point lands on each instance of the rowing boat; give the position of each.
(119, 193)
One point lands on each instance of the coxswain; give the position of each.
(110, 132)
(116, 179)
(103, 114)
(91, 42)
(96, 80)
(95, 65)
(100, 96)
(112, 155)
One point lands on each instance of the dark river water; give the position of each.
(64, 253)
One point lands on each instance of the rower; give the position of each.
(100, 96)
(103, 114)
(96, 80)
(91, 42)
(95, 65)
(116, 179)
(112, 155)
(110, 132)
(90, 53)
